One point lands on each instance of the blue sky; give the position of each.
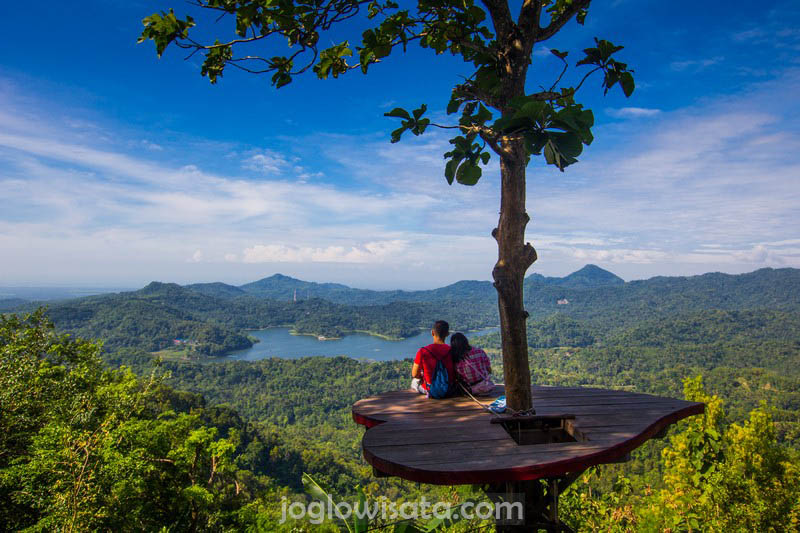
(117, 168)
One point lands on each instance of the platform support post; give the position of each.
(540, 502)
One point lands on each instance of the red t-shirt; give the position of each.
(426, 358)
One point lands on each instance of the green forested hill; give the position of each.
(777, 289)
(285, 288)
(715, 326)
(702, 339)
(217, 290)
(152, 317)
(215, 315)
(148, 319)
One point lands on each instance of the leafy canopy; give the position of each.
(550, 122)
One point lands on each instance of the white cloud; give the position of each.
(632, 112)
(197, 256)
(748, 35)
(276, 164)
(618, 255)
(152, 146)
(267, 162)
(371, 252)
(785, 242)
(695, 64)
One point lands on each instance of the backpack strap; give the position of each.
(434, 358)
(431, 353)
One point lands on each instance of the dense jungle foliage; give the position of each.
(100, 438)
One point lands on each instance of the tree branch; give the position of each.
(529, 15)
(472, 92)
(585, 77)
(501, 18)
(529, 255)
(489, 138)
(546, 96)
(557, 23)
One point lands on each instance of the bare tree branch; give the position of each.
(585, 77)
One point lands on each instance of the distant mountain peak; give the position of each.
(589, 267)
(271, 280)
(155, 286)
(594, 270)
(281, 277)
(592, 275)
(587, 277)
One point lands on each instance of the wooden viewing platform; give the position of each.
(455, 441)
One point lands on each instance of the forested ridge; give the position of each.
(214, 317)
(193, 445)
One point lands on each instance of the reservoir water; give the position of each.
(278, 342)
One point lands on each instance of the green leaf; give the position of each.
(396, 134)
(453, 105)
(450, 169)
(535, 141)
(533, 109)
(568, 144)
(558, 53)
(628, 85)
(407, 527)
(216, 59)
(483, 115)
(550, 154)
(454, 514)
(606, 48)
(164, 28)
(398, 112)
(279, 79)
(360, 524)
(468, 173)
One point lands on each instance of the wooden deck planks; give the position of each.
(452, 441)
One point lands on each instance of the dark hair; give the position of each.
(441, 328)
(459, 346)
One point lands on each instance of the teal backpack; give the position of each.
(439, 386)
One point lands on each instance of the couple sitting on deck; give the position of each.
(439, 367)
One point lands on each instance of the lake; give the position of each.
(278, 342)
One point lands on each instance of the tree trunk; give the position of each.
(514, 258)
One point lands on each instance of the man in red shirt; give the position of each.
(425, 362)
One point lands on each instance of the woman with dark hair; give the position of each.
(472, 365)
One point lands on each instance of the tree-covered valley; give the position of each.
(120, 437)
